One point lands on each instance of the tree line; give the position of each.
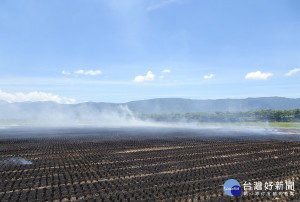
(248, 116)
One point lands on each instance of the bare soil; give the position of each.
(142, 164)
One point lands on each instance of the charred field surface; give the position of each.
(140, 164)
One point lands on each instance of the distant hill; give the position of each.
(178, 105)
(160, 105)
(44, 113)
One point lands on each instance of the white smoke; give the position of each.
(53, 114)
(15, 161)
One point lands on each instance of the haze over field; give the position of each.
(155, 112)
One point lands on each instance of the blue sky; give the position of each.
(117, 51)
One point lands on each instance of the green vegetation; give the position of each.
(223, 117)
(287, 125)
(284, 124)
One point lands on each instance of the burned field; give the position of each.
(142, 164)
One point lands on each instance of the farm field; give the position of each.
(279, 125)
(142, 164)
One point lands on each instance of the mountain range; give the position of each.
(51, 112)
(159, 105)
(176, 105)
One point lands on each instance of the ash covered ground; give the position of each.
(144, 163)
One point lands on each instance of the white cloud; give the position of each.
(34, 97)
(88, 72)
(161, 76)
(166, 71)
(149, 77)
(209, 76)
(160, 5)
(65, 72)
(258, 75)
(293, 71)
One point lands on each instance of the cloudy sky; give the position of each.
(72, 51)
